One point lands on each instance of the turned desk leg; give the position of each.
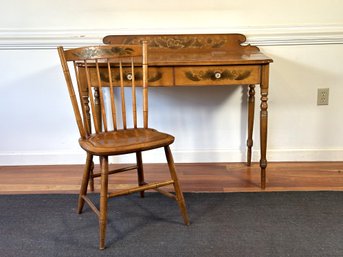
(251, 111)
(98, 107)
(87, 116)
(264, 123)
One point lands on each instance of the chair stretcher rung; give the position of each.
(165, 193)
(116, 171)
(91, 204)
(141, 188)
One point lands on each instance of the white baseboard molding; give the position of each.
(157, 156)
(41, 158)
(273, 155)
(19, 39)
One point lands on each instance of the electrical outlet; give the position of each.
(323, 96)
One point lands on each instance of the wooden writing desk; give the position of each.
(209, 60)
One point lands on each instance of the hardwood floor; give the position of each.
(194, 177)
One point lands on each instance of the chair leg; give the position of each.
(140, 171)
(177, 188)
(85, 179)
(103, 201)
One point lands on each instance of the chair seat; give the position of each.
(125, 141)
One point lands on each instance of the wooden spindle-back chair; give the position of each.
(114, 66)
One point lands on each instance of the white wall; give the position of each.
(305, 39)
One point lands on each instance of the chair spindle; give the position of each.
(122, 93)
(113, 105)
(101, 93)
(134, 104)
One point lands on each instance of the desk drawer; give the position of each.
(158, 76)
(217, 75)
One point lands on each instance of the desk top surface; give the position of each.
(195, 49)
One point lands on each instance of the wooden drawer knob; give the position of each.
(217, 75)
(129, 76)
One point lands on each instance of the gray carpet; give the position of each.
(223, 224)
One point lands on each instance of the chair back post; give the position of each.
(145, 84)
(71, 91)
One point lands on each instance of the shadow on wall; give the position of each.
(189, 111)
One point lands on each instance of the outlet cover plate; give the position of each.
(323, 96)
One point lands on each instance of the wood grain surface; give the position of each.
(194, 177)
